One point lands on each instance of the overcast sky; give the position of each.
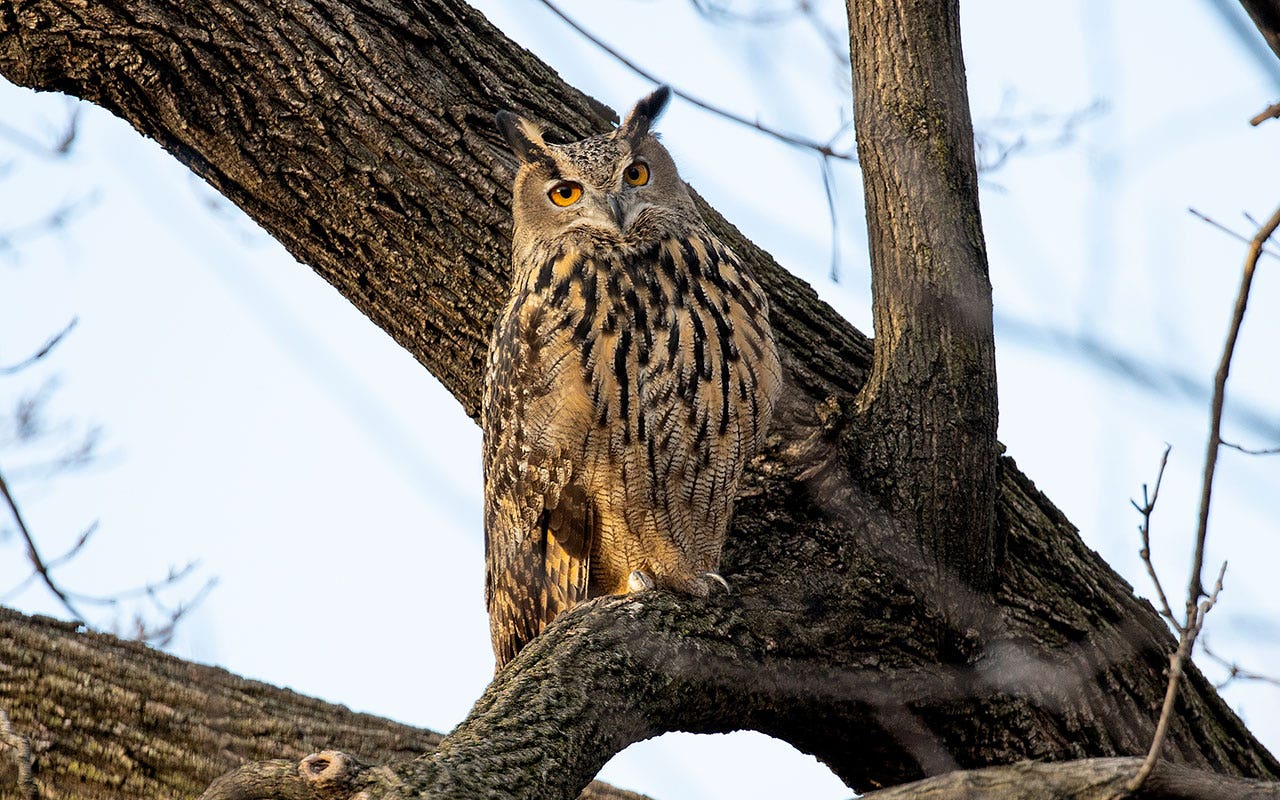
(252, 419)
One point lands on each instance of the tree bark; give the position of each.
(107, 718)
(1087, 779)
(360, 134)
(924, 439)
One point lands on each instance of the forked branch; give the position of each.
(1199, 602)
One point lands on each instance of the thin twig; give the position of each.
(1147, 507)
(43, 351)
(1177, 662)
(148, 590)
(162, 635)
(52, 564)
(34, 555)
(993, 152)
(1159, 379)
(1270, 112)
(828, 186)
(1197, 609)
(1239, 237)
(55, 149)
(1249, 451)
(21, 748)
(789, 138)
(1196, 589)
(1236, 672)
(715, 12)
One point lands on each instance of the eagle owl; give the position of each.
(631, 376)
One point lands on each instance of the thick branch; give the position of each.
(361, 136)
(333, 775)
(108, 719)
(1089, 779)
(925, 438)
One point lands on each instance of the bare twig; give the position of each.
(75, 456)
(53, 564)
(789, 138)
(1147, 507)
(828, 186)
(1235, 672)
(34, 555)
(1249, 451)
(1177, 661)
(716, 12)
(149, 590)
(835, 42)
(1240, 237)
(59, 147)
(43, 351)
(21, 751)
(1196, 590)
(162, 635)
(1197, 608)
(54, 221)
(1134, 369)
(1270, 112)
(1055, 130)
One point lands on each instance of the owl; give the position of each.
(631, 376)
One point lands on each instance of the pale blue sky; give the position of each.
(254, 420)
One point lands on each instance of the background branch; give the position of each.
(33, 554)
(1197, 609)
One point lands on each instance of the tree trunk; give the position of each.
(360, 134)
(925, 435)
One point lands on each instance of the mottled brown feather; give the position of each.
(631, 376)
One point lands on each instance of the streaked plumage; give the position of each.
(631, 376)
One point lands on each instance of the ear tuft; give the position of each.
(524, 137)
(645, 113)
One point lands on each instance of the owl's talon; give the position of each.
(638, 581)
(718, 578)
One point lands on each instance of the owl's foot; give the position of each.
(715, 577)
(638, 581)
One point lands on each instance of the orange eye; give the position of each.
(637, 174)
(565, 193)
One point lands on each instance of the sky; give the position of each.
(250, 419)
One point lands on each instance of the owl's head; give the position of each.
(616, 189)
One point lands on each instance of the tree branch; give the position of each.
(824, 150)
(1196, 589)
(33, 553)
(1090, 779)
(1197, 610)
(44, 350)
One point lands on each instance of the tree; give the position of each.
(909, 603)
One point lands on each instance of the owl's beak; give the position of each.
(615, 205)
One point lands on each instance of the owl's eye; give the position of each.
(637, 174)
(565, 193)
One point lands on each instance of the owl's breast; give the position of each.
(641, 352)
(678, 350)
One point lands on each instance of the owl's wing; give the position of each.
(539, 521)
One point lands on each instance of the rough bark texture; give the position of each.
(1266, 17)
(108, 718)
(1088, 779)
(924, 438)
(359, 133)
